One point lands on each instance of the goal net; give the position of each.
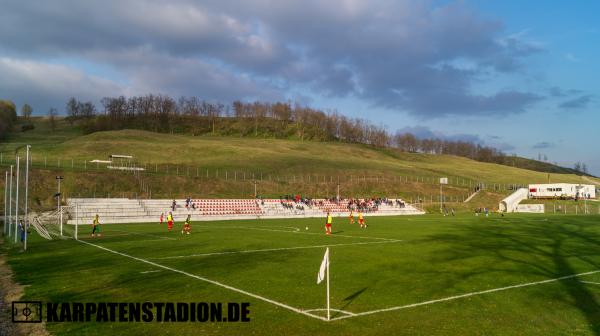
(57, 224)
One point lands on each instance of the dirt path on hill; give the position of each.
(11, 291)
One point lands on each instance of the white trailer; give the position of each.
(562, 190)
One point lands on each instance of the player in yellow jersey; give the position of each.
(96, 226)
(351, 217)
(361, 220)
(187, 227)
(170, 221)
(328, 224)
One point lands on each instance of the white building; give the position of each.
(562, 190)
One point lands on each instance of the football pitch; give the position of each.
(513, 275)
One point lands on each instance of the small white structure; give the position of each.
(530, 208)
(562, 190)
(510, 203)
(126, 168)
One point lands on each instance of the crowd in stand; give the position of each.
(353, 204)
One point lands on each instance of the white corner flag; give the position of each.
(324, 267)
(324, 274)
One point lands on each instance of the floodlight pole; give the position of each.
(76, 219)
(5, 203)
(59, 178)
(26, 223)
(441, 198)
(10, 202)
(61, 221)
(17, 204)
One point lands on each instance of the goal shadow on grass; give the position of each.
(546, 251)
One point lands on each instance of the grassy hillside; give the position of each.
(267, 156)
(178, 165)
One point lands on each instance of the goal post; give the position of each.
(57, 224)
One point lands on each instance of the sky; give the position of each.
(521, 76)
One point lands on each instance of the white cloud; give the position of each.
(44, 84)
(419, 57)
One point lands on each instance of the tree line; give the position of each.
(192, 115)
(8, 116)
(196, 116)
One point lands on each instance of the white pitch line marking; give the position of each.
(154, 271)
(467, 295)
(332, 309)
(276, 249)
(147, 240)
(144, 234)
(590, 282)
(241, 291)
(309, 233)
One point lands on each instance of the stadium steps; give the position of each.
(471, 196)
(124, 210)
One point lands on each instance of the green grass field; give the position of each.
(420, 275)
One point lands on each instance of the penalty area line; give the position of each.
(455, 297)
(276, 249)
(216, 283)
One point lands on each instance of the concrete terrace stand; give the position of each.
(124, 210)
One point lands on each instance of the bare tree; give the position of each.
(72, 109)
(52, 113)
(26, 111)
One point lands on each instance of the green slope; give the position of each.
(206, 166)
(276, 156)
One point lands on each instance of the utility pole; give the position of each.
(5, 202)
(10, 202)
(17, 204)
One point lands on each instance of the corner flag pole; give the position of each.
(328, 311)
(324, 268)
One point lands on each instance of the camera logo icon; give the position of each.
(27, 311)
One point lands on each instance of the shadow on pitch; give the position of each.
(542, 249)
(350, 298)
